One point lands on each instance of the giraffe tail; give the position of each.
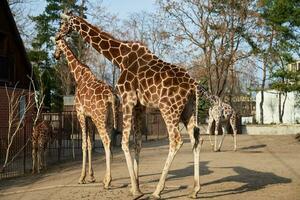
(196, 127)
(115, 104)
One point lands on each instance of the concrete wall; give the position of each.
(271, 129)
(291, 113)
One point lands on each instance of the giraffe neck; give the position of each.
(206, 94)
(73, 63)
(112, 48)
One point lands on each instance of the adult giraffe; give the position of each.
(146, 80)
(93, 98)
(222, 114)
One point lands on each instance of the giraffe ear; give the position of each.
(68, 39)
(52, 39)
(64, 16)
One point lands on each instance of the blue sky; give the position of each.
(122, 8)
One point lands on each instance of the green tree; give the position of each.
(56, 79)
(284, 81)
(275, 38)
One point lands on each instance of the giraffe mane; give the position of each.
(109, 35)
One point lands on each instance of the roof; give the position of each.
(16, 34)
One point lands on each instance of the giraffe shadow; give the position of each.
(29, 178)
(252, 180)
(253, 147)
(184, 172)
(297, 137)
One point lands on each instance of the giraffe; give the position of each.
(221, 113)
(93, 98)
(42, 135)
(146, 81)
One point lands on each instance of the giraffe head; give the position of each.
(66, 25)
(215, 99)
(58, 48)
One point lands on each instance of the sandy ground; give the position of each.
(264, 167)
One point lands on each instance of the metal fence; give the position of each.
(67, 144)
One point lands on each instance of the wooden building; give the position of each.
(14, 67)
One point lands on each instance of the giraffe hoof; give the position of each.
(106, 182)
(155, 196)
(137, 195)
(193, 195)
(92, 180)
(81, 181)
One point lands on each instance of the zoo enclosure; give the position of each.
(67, 144)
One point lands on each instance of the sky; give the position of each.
(122, 8)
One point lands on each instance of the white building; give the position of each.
(270, 107)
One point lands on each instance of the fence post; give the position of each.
(24, 150)
(59, 136)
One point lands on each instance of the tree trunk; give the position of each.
(261, 104)
(279, 108)
(283, 106)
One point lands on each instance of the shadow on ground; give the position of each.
(252, 180)
(298, 137)
(29, 178)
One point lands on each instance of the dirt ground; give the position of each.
(264, 167)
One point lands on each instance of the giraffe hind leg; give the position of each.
(137, 141)
(191, 128)
(127, 122)
(81, 119)
(90, 146)
(175, 143)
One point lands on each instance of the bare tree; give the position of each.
(17, 113)
(21, 10)
(215, 29)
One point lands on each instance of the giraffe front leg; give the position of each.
(233, 125)
(81, 119)
(34, 159)
(39, 159)
(194, 133)
(90, 146)
(174, 145)
(106, 143)
(127, 121)
(42, 158)
(216, 135)
(209, 126)
(224, 130)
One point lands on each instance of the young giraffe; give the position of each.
(221, 113)
(42, 135)
(146, 80)
(93, 98)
